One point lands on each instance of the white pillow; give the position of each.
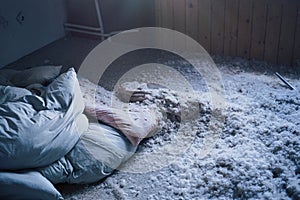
(136, 125)
(8, 93)
(42, 75)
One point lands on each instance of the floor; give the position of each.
(255, 156)
(69, 51)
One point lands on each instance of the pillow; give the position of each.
(8, 93)
(27, 185)
(42, 75)
(134, 124)
(36, 131)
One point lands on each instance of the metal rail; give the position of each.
(99, 31)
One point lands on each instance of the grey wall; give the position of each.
(39, 23)
(116, 14)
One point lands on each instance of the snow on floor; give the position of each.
(255, 156)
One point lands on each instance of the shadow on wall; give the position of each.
(26, 26)
(116, 14)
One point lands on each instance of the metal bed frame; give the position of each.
(90, 30)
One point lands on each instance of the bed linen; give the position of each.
(36, 131)
(45, 140)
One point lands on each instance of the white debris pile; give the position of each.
(255, 156)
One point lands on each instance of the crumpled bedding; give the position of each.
(34, 129)
(100, 150)
(135, 124)
(45, 140)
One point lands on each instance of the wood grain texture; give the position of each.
(287, 34)
(244, 28)
(217, 26)
(158, 13)
(179, 15)
(204, 24)
(192, 18)
(231, 27)
(296, 49)
(167, 13)
(273, 30)
(258, 29)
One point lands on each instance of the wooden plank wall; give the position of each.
(256, 29)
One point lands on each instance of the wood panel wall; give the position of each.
(257, 29)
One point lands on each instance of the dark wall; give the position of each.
(26, 26)
(116, 14)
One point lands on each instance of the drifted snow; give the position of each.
(255, 156)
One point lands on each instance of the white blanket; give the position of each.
(36, 131)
